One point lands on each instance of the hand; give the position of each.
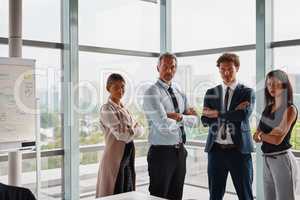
(242, 105)
(191, 111)
(210, 113)
(175, 116)
(257, 136)
(126, 129)
(136, 125)
(129, 129)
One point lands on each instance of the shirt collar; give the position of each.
(114, 104)
(165, 85)
(232, 86)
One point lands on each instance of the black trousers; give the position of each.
(167, 169)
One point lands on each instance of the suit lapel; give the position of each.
(235, 96)
(219, 97)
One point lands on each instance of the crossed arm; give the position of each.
(278, 133)
(166, 121)
(179, 117)
(240, 113)
(188, 118)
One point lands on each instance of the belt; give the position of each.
(225, 146)
(174, 146)
(273, 155)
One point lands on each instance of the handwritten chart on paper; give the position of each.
(17, 100)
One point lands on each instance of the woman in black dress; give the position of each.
(274, 131)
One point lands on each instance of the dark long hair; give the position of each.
(286, 85)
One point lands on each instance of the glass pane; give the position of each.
(41, 20)
(287, 59)
(197, 176)
(200, 73)
(212, 24)
(3, 50)
(126, 24)
(48, 67)
(89, 165)
(51, 178)
(94, 69)
(286, 25)
(4, 19)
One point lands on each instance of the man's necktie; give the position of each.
(175, 103)
(224, 134)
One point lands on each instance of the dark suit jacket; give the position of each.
(241, 134)
(8, 192)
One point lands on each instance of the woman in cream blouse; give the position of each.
(116, 171)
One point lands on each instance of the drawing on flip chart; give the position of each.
(17, 97)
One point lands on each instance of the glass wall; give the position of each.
(126, 24)
(41, 21)
(94, 70)
(212, 24)
(4, 19)
(48, 91)
(115, 34)
(3, 50)
(196, 74)
(287, 59)
(198, 27)
(119, 26)
(286, 25)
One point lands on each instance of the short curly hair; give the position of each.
(229, 57)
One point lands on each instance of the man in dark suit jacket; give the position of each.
(227, 108)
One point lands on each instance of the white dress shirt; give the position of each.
(157, 103)
(228, 139)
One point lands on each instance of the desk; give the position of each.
(130, 196)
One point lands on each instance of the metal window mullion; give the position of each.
(70, 99)
(165, 26)
(264, 61)
(204, 52)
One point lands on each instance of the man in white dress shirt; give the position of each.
(167, 112)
